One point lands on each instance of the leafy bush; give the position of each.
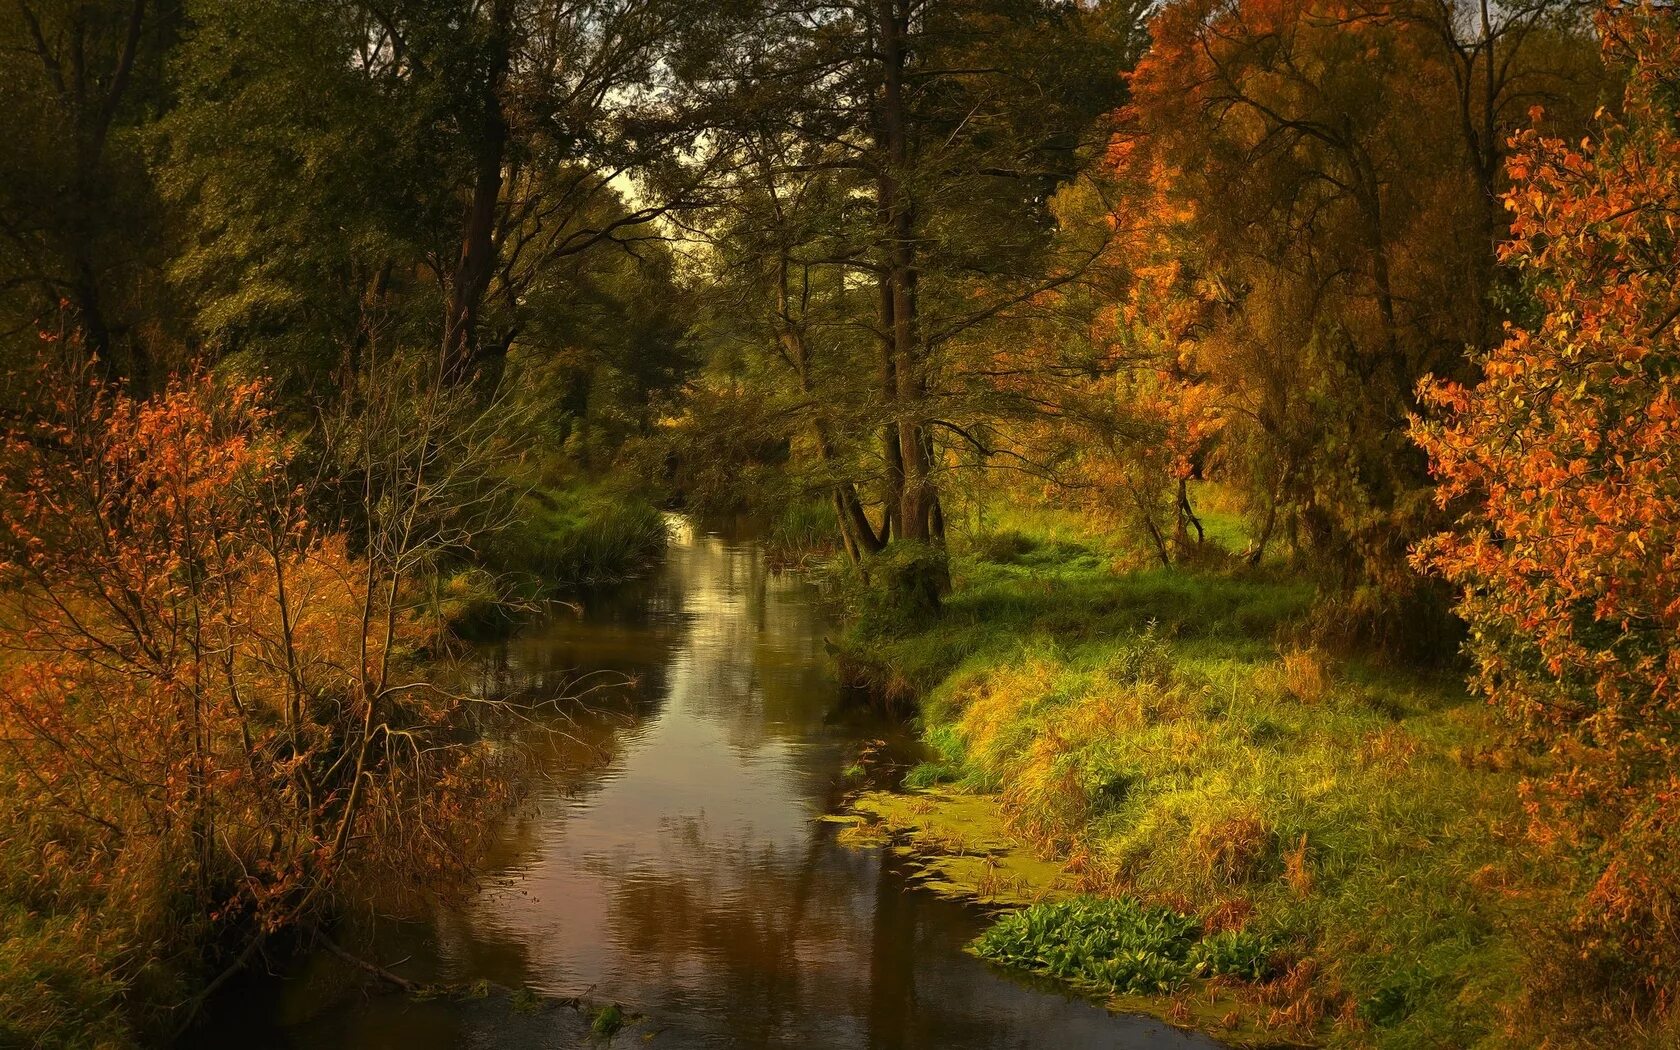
(1565, 457)
(898, 590)
(1118, 945)
(183, 649)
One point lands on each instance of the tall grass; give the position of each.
(578, 535)
(801, 530)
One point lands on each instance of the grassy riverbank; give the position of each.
(1159, 735)
(562, 538)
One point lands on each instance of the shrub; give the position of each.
(1566, 458)
(202, 691)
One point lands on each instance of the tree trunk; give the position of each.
(470, 279)
(916, 499)
(1187, 519)
(893, 471)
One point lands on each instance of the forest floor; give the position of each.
(1148, 756)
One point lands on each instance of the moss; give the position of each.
(960, 845)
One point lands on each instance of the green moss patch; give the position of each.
(960, 844)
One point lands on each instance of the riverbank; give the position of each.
(671, 856)
(562, 538)
(1157, 737)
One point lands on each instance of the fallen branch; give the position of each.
(370, 967)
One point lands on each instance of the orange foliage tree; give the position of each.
(1096, 388)
(206, 729)
(1298, 221)
(1567, 454)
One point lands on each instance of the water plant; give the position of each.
(608, 1021)
(1119, 946)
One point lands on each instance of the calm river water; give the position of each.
(672, 860)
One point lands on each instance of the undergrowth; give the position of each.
(575, 535)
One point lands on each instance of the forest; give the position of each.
(1206, 473)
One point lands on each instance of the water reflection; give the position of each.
(671, 860)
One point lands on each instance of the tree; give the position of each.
(1308, 170)
(1564, 460)
(77, 217)
(428, 163)
(910, 150)
(1503, 60)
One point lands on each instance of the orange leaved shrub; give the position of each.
(1567, 454)
(204, 734)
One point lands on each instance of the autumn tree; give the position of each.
(1307, 168)
(1563, 460)
(1502, 60)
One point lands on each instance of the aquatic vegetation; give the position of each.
(607, 1022)
(1118, 945)
(959, 843)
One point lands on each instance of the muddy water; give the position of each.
(672, 859)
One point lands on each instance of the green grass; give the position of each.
(1165, 733)
(801, 529)
(578, 535)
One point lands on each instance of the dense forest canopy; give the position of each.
(327, 326)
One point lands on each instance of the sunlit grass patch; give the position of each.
(1169, 737)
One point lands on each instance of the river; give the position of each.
(672, 858)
